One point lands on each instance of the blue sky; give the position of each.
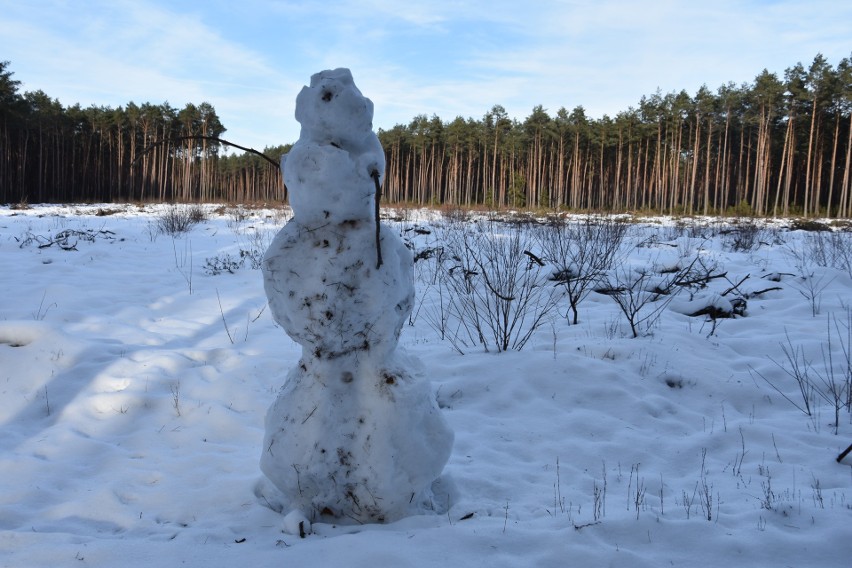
(250, 58)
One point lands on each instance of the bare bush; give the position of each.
(636, 297)
(67, 239)
(836, 374)
(643, 293)
(581, 254)
(177, 219)
(498, 291)
(746, 235)
(831, 382)
(807, 256)
(829, 249)
(253, 245)
(810, 285)
(798, 368)
(222, 263)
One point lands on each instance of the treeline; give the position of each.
(776, 146)
(51, 153)
(772, 147)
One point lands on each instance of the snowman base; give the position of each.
(364, 451)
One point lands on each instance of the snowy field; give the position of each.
(136, 369)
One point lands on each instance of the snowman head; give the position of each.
(333, 111)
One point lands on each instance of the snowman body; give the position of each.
(354, 433)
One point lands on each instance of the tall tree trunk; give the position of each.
(808, 161)
(845, 210)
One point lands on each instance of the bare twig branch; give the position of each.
(375, 176)
(209, 139)
(224, 321)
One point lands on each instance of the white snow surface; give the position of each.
(132, 417)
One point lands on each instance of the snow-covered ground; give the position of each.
(136, 370)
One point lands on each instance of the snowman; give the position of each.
(354, 433)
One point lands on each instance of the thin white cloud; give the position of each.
(439, 57)
(112, 53)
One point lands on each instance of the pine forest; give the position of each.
(778, 146)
